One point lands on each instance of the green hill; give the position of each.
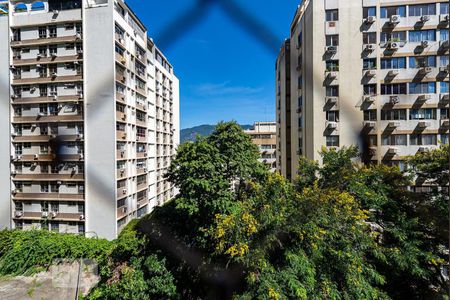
(189, 134)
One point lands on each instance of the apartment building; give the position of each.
(89, 119)
(371, 73)
(263, 135)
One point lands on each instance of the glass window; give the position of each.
(370, 89)
(393, 63)
(369, 38)
(333, 116)
(369, 12)
(444, 113)
(369, 64)
(393, 89)
(370, 115)
(373, 141)
(443, 86)
(397, 36)
(423, 139)
(394, 140)
(333, 141)
(422, 88)
(332, 40)
(387, 12)
(422, 61)
(444, 139)
(332, 65)
(332, 91)
(393, 114)
(422, 10)
(443, 61)
(444, 8)
(332, 15)
(422, 114)
(417, 36)
(443, 35)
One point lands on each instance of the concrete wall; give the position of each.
(100, 135)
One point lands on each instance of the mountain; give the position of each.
(189, 134)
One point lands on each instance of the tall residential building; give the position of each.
(372, 73)
(89, 117)
(264, 135)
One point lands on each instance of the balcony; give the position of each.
(141, 154)
(120, 98)
(121, 59)
(47, 157)
(141, 123)
(141, 171)
(121, 77)
(46, 138)
(121, 192)
(49, 79)
(142, 139)
(122, 212)
(48, 119)
(73, 177)
(141, 106)
(46, 99)
(140, 90)
(121, 135)
(46, 41)
(46, 60)
(142, 185)
(56, 216)
(48, 197)
(121, 154)
(121, 173)
(120, 39)
(121, 116)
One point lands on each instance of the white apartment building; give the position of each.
(89, 117)
(263, 135)
(372, 73)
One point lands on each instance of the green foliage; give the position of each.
(27, 252)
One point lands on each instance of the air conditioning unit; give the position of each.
(394, 20)
(393, 73)
(81, 217)
(370, 20)
(424, 18)
(423, 149)
(392, 151)
(331, 125)
(331, 49)
(122, 154)
(425, 70)
(41, 114)
(393, 124)
(53, 75)
(371, 73)
(424, 97)
(443, 18)
(79, 52)
(369, 124)
(369, 47)
(18, 214)
(45, 214)
(424, 124)
(53, 214)
(36, 156)
(424, 44)
(55, 12)
(122, 41)
(80, 136)
(78, 36)
(53, 55)
(394, 100)
(332, 75)
(393, 45)
(39, 55)
(124, 191)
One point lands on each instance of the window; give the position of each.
(36, 6)
(393, 89)
(422, 114)
(397, 36)
(70, 46)
(332, 15)
(393, 63)
(332, 141)
(444, 8)
(25, 69)
(332, 40)
(417, 36)
(26, 145)
(332, 116)
(370, 89)
(443, 35)
(43, 50)
(443, 86)
(422, 10)
(42, 32)
(370, 115)
(54, 226)
(52, 31)
(332, 91)
(16, 34)
(369, 12)
(369, 63)
(53, 49)
(422, 88)
(393, 114)
(444, 139)
(422, 61)
(373, 141)
(387, 12)
(369, 38)
(20, 7)
(422, 139)
(69, 26)
(444, 113)
(332, 65)
(44, 189)
(140, 131)
(393, 140)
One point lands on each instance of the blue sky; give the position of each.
(225, 73)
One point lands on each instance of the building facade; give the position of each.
(264, 135)
(89, 118)
(371, 73)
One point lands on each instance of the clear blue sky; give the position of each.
(225, 73)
